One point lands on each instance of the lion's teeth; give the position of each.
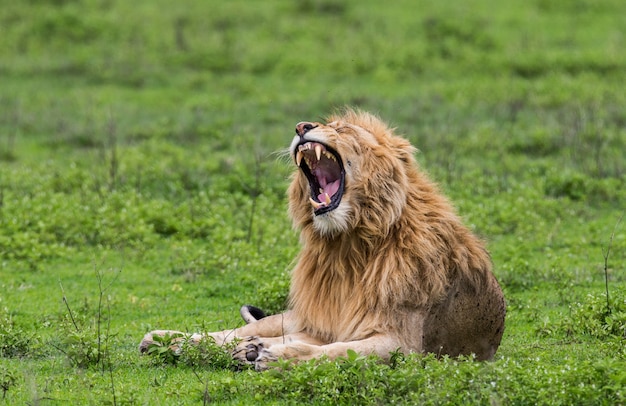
(326, 198)
(318, 151)
(315, 204)
(299, 156)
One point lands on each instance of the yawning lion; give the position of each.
(385, 264)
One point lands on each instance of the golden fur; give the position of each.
(385, 264)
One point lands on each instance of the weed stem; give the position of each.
(606, 265)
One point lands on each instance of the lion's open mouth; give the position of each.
(323, 169)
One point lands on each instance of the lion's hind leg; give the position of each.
(261, 352)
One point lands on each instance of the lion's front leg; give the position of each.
(270, 326)
(175, 339)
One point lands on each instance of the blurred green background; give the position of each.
(140, 145)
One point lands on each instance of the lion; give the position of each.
(386, 264)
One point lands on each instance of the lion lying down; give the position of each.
(385, 265)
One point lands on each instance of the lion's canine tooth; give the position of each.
(315, 204)
(327, 198)
(299, 156)
(318, 151)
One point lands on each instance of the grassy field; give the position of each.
(141, 187)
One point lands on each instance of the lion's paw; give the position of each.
(263, 361)
(252, 351)
(247, 351)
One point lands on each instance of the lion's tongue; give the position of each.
(328, 189)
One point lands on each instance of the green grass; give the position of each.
(141, 179)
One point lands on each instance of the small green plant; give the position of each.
(178, 348)
(207, 354)
(86, 339)
(81, 348)
(593, 318)
(166, 348)
(8, 379)
(599, 316)
(14, 341)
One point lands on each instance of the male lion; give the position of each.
(385, 265)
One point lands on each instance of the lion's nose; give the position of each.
(304, 127)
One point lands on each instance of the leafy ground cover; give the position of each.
(142, 186)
